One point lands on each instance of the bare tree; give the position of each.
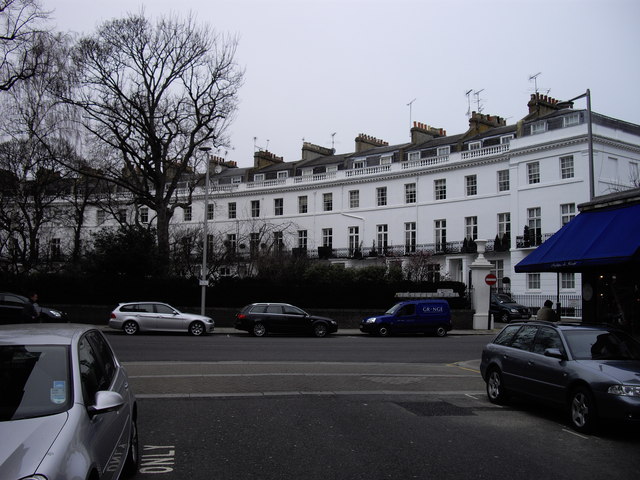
(151, 95)
(22, 38)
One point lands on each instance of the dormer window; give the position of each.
(307, 172)
(413, 156)
(236, 180)
(475, 145)
(539, 127)
(283, 174)
(506, 140)
(569, 120)
(332, 168)
(357, 164)
(442, 151)
(386, 160)
(258, 177)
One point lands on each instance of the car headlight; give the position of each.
(625, 390)
(371, 320)
(55, 313)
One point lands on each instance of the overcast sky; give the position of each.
(318, 67)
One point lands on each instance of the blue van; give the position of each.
(413, 316)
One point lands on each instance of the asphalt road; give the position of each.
(229, 406)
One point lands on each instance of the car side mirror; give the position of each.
(554, 353)
(106, 401)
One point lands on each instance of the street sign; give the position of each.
(490, 279)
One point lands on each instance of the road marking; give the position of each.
(575, 433)
(303, 393)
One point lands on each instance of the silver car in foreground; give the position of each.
(66, 409)
(134, 317)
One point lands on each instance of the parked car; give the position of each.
(67, 409)
(259, 319)
(134, 317)
(413, 316)
(12, 304)
(504, 308)
(591, 371)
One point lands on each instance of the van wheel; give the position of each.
(441, 332)
(383, 331)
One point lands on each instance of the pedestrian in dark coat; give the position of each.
(30, 312)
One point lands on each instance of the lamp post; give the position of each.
(569, 103)
(204, 282)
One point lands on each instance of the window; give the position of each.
(533, 172)
(327, 202)
(278, 206)
(567, 212)
(358, 164)
(100, 217)
(354, 240)
(327, 237)
(534, 222)
(122, 215)
(56, 251)
(506, 140)
(258, 177)
(307, 172)
(283, 174)
(503, 180)
(410, 194)
(442, 151)
(210, 245)
(236, 180)
(634, 174)
(303, 204)
(568, 280)
(475, 145)
(471, 228)
(331, 168)
(441, 235)
(278, 240)
(471, 182)
(144, 215)
(231, 243)
(383, 237)
(566, 167)
(302, 239)
(386, 160)
(231, 209)
(504, 225)
(569, 120)
(413, 156)
(498, 271)
(210, 211)
(187, 213)
(255, 208)
(546, 338)
(539, 127)
(381, 196)
(612, 165)
(533, 281)
(524, 338)
(410, 235)
(254, 242)
(354, 198)
(440, 187)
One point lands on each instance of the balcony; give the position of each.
(486, 151)
(532, 241)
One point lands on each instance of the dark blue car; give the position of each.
(413, 316)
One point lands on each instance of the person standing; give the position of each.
(546, 313)
(30, 312)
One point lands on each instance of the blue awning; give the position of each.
(593, 238)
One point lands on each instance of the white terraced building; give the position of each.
(513, 185)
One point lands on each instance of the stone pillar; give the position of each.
(480, 268)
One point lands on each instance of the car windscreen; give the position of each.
(35, 381)
(602, 345)
(393, 310)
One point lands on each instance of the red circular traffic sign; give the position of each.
(490, 279)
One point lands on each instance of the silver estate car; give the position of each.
(134, 317)
(66, 409)
(592, 371)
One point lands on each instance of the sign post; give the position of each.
(490, 280)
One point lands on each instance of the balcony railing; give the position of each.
(531, 241)
(483, 152)
(425, 162)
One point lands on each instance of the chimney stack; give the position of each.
(479, 123)
(421, 132)
(264, 158)
(366, 142)
(541, 105)
(309, 151)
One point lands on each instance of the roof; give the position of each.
(42, 333)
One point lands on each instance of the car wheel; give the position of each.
(320, 330)
(495, 387)
(441, 332)
(196, 329)
(259, 330)
(504, 317)
(582, 410)
(130, 327)
(131, 462)
(384, 331)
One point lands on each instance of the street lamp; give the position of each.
(203, 280)
(569, 103)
